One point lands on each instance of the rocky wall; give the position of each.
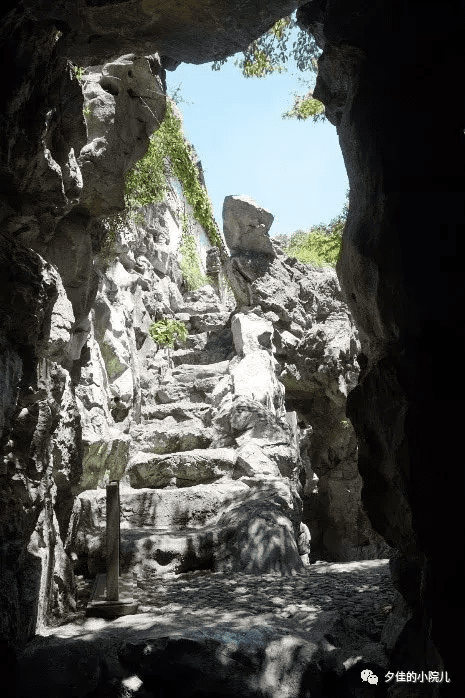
(381, 81)
(400, 273)
(317, 347)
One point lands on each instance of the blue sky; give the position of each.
(292, 168)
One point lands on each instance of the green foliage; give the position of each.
(79, 72)
(273, 44)
(305, 108)
(315, 247)
(190, 261)
(108, 252)
(165, 332)
(320, 245)
(147, 182)
(169, 153)
(268, 53)
(181, 157)
(87, 111)
(177, 97)
(258, 65)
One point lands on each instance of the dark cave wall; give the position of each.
(400, 271)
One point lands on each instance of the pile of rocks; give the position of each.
(210, 474)
(317, 353)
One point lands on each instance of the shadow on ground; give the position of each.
(210, 634)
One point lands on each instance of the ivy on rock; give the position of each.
(190, 262)
(168, 154)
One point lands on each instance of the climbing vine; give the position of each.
(168, 155)
(190, 260)
(180, 155)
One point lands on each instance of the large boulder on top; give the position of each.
(246, 225)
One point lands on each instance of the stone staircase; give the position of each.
(185, 484)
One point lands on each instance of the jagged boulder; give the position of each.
(315, 345)
(246, 226)
(184, 469)
(252, 460)
(258, 535)
(251, 333)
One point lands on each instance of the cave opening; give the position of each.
(399, 271)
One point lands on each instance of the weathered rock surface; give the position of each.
(250, 525)
(406, 172)
(295, 651)
(246, 226)
(128, 95)
(211, 412)
(402, 180)
(302, 311)
(200, 465)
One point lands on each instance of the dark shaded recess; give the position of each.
(8, 669)
(109, 85)
(103, 3)
(188, 668)
(414, 153)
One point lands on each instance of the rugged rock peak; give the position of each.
(246, 225)
(301, 310)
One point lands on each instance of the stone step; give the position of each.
(196, 341)
(168, 436)
(183, 469)
(169, 508)
(199, 357)
(244, 523)
(146, 514)
(181, 410)
(188, 373)
(190, 382)
(206, 322)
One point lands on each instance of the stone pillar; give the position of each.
(113, 535)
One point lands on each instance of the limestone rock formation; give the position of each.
(245, 226)
(400, 270)
(205, 430)
(128, 95)
(316, 349)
